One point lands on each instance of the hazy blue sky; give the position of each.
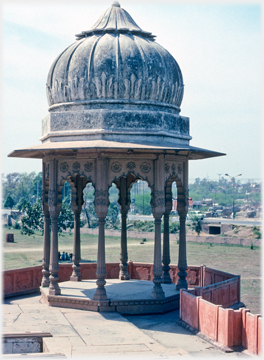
(217, 45)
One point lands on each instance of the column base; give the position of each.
(76, 274)
(75, 278)
(157, 292)
(123, 273)
(100, 294)
(45, 283)
(54, 291)
(166, 279)
(182, 284)
(124, 277)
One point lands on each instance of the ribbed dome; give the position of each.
(115, 59)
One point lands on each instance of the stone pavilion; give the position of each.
(114, 100)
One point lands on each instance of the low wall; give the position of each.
(26, 280)
(20, 281)
(212, 276)
(227, 326)
(191, 238)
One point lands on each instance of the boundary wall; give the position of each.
(229, 327)
(192, 238)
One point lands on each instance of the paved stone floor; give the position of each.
(80, 333)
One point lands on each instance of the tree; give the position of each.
(196, 224)
(9, 202)
(27, 186)
(142, 203)
(90, 213)
(112, 218)
(66, 218)
(33, 219)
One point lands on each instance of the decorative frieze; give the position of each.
(81, 167)
(173, 170)
(88, 167)
(64, 167)
(145, 167)
(131, 165)
(107, 87)
(76, 166)
(116, 166)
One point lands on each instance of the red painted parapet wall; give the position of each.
(227, 326)
(21, 281)
(26, 280)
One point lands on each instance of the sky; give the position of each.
(216, 44)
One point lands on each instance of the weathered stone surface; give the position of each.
(115, 81)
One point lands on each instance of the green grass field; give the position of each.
(239, 260)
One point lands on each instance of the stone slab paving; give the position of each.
(79, 333)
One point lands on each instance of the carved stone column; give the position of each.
(100, 293)
(166, 279)
(124, 207)
(182, 262)
(54, 209)
(76, 205)
(182, 208)
(158, 209)
(76, 256)
(157, 291)
(46, 237)
(46, 250)
(101, 208)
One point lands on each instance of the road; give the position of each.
(246, 222)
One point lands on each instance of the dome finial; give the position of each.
(116, 3)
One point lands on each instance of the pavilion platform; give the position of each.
(132, 297)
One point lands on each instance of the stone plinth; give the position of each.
(125, 297)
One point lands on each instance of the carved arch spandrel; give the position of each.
(140, 169)
(72, 167)
(173, 169)
(72, 180)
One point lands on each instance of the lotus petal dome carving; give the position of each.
(115, 59)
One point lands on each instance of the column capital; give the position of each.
(182, 214)
(101, 202)
(157, 214)
(54, 213)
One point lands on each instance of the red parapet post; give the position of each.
(259, 345)
(244, 334)
(189, 307)
(226, 326)
(250, 331)
(208, 318)
(237, 328)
